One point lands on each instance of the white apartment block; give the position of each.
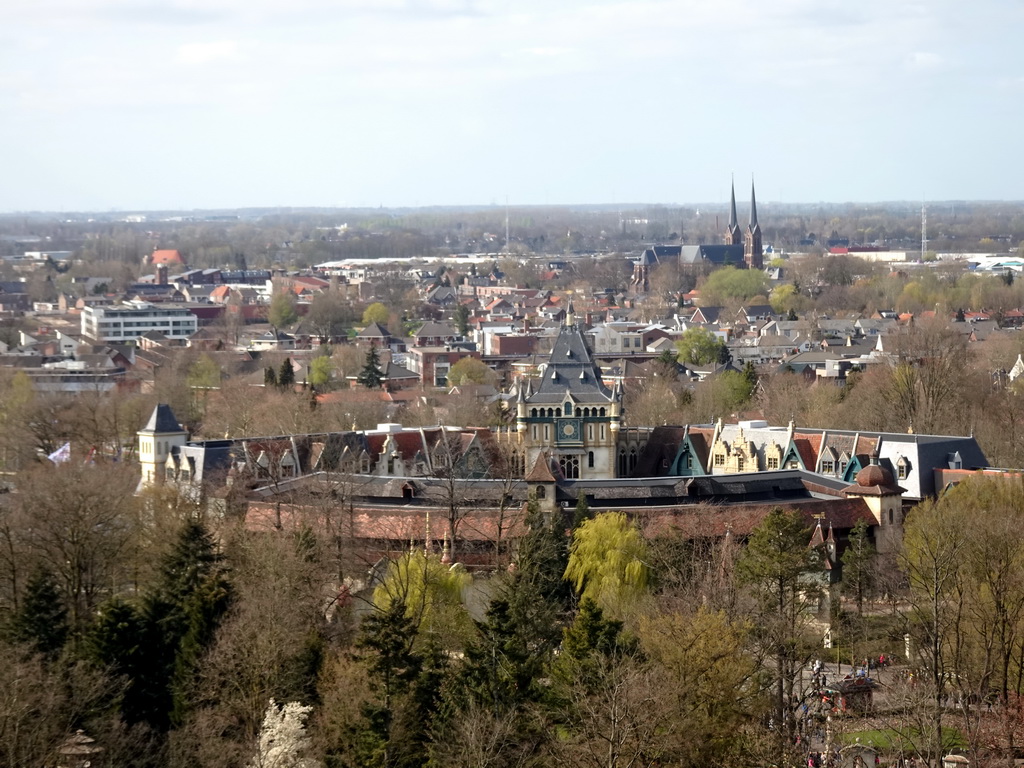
(137, 318)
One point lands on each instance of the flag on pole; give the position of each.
(61, 455)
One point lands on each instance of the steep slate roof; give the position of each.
(716, 254)
(659, 452)
(162, 420)
(571, 370)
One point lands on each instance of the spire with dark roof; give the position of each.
(162, 421)
(733, 235)
(753, 250)
(753, 206)
(732, 209)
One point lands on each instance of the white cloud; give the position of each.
(924, 60)
(206, 53)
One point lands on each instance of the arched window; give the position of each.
(540, 491)
(570, 466)
(602, 412)
(568, 409)
(579, 412)
(623, 471)
(632, 459)
(533, 413)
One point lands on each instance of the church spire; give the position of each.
(753, 249)
(732, 209)
(753, 205)
(733, 234)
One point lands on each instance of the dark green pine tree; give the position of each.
(461, 317)
(286, 375)
(370, 376)
(41, 621)
(117, 642)
(582, 510)
(750, 375)
(387, 637)
(415, 722)
(269, 377)
(590, 635)
(523, 625)
(158, 646)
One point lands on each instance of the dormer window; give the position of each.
(902, 468)
(568, 409)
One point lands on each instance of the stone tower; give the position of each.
(157, 439)
(571, 415)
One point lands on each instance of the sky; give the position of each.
(191, 104)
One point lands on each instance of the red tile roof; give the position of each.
(166, 256)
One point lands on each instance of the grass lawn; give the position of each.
(889, 739)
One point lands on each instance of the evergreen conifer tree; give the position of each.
(158, 645)
(269, 377)
(286, 375)
(387, 636)
(41, 621)
(523, 625)
(370, 376)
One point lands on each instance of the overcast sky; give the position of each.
(148, 104)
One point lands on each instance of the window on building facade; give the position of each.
(570, 466)
(772, 462)
(590, 459)
(719, 459)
